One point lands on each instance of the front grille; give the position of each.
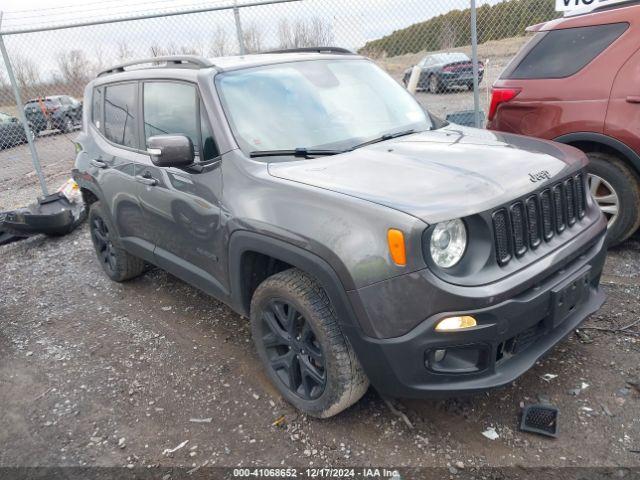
(533, 221)
(570, 194)
(558, 208)
(518, 228)
(524, 224)
(547, 214)
(503, 245)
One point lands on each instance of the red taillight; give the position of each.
(447, 69)
(501, 95)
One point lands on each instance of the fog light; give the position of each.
(451, 324)
(438, 355)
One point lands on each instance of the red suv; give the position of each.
(577, 81)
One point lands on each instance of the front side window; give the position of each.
(316, 104)
(120, 114)
(175, 108)
(562, 53)
(171, 108)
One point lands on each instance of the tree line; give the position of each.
(453, 29)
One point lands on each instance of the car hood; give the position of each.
(438, 175)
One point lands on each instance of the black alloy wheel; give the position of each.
(294, 353)
(104, 244)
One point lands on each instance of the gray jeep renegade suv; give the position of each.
(366, 240)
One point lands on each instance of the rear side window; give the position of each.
(562, 53)
(96, 107)
(120, 123)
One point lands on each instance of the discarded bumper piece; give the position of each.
(51, 215)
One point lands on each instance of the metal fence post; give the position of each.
(474, 57)
(21, 115)
(236, 16)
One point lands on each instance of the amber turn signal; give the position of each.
(395, 239)
(450, 324)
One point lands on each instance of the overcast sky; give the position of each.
(353, 23)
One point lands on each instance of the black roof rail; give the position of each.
(602, 8)
(188, 61)
(338, 50)
(611, 6)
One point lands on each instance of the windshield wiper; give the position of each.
(297, 152)
(311, 152)
(386, 136)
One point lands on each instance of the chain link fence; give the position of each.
(54, 52)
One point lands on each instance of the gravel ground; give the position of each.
(98, 373)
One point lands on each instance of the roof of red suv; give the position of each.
(601, 15)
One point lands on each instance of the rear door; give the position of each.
(623, 114)
(116, 116)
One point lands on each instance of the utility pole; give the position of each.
(236, 16)
(474, 58)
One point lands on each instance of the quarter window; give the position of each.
(209, 147)
(120, 114)
(562, 53)
(96, 109)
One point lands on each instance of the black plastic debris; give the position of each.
(52, 215)
(540, 419)
(6, 237)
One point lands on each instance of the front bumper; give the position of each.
(510, 337)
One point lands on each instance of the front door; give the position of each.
(182, 206)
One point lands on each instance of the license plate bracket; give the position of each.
(569, 294)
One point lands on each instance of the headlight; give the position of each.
(448, 242)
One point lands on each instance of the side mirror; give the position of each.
(171, 150)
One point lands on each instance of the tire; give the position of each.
(67, 125)
(118, 264)
(333, 378)
(434, 84)
(609, 174)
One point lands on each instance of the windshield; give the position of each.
(335, 104)
(452, 57)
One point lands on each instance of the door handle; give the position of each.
(149, 181)
(633, 99)
(99, 163)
